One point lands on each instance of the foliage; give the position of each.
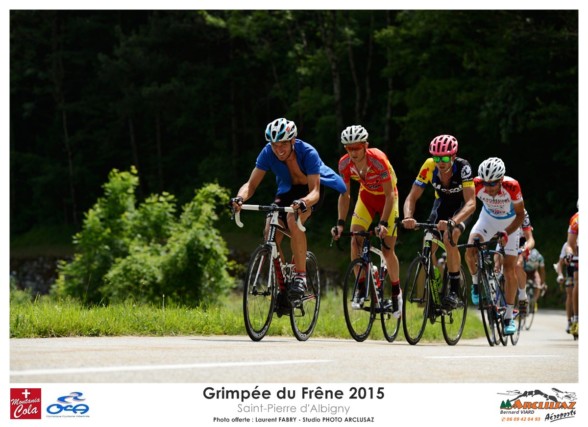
(145, 253)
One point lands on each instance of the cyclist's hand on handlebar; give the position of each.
(503, 236)
(236, 203)
(409, 223)
(299, 205)
(336, 231)
(382, 229)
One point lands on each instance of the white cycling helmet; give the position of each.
(353, 134)
(280, 130)
(492, 169)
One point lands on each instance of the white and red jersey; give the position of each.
(500, 206)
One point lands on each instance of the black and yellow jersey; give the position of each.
(461, 178)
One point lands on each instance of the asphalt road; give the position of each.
(544, 354)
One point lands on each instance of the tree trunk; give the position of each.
(57, 74)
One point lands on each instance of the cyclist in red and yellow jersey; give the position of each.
(455, 202)
(571, 253)
(378, 195)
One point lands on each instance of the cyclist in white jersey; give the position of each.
(503, 212)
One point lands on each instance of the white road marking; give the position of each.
(158, 367)
(498, 356)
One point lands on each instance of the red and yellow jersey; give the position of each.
(573, 228)
(379, 171)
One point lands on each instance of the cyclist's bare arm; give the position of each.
(409, 206)
(248, 189)
(342, 210)
(314, 190)
(519, 209)
(572, 244)
(529, 241)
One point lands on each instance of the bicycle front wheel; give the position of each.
(416, 300)
(453, 322)
(359, 316)
(303, 318)
(259, 293)
(532, 308)
(487, 309)
(390, 324)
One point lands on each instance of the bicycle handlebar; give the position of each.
(478, 244)
(430, 226)
(268, 208)
(362, 233)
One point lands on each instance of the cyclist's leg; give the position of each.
(481, 230)
(360, 221)
(392, 260)
(511, 283)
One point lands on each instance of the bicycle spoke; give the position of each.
(416, 302)
(304, 317)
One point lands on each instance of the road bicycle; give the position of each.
(268, 278)
(492, 303)
(367, 291)
(423, 293)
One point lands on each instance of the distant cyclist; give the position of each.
(378, 196)
(534, 266)
(300, 174)
(455, 202)
(571, 255)
(565, 278)
(503, 212)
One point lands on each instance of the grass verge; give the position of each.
(46, 317)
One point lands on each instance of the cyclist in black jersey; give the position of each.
(455, 201)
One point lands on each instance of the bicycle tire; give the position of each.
(532, 307)
(416, 299)
(359, 321)
(487, 309)
(259, 294)
(453, 322)
(499, 310)
(390, 324)
(304, 317)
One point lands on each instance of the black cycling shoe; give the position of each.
(450, 301)
(296, 290)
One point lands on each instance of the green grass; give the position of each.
(46, 317)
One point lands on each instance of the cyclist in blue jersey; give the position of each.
(300, 176)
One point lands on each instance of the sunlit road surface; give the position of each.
(544, 354)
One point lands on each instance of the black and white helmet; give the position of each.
(280, 130)
(353, 134)
(491, 169)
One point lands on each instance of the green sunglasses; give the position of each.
(444, 159)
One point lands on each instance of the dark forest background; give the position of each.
(185, 97)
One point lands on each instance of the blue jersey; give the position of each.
(309, 163)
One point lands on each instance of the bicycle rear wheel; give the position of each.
(303, 318)
(532, 307)
(417, 298)
(259, 293)
(453, 322)
(359, 320)
(390, 324)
